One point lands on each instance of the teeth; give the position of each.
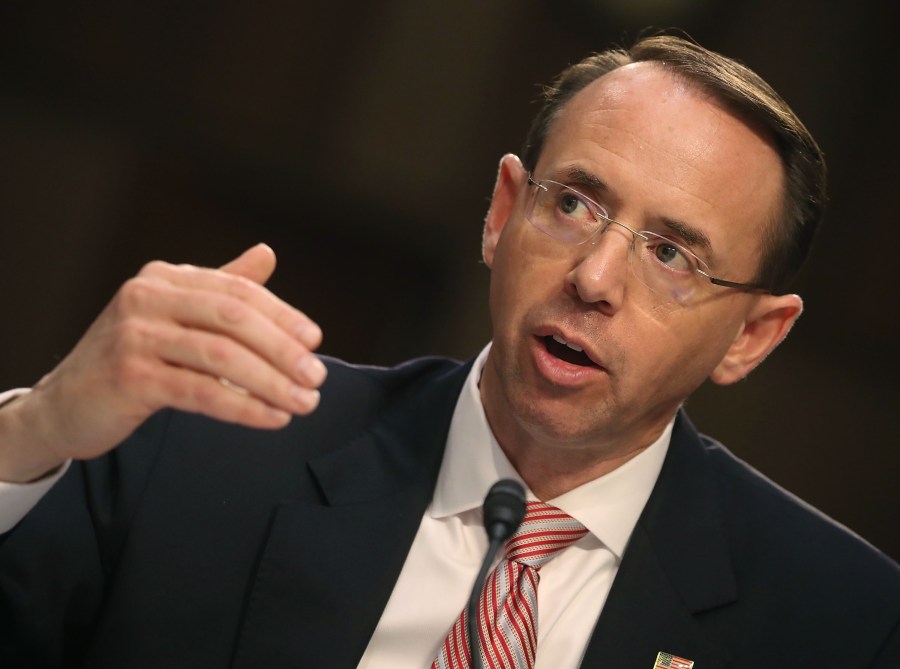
(560, 340)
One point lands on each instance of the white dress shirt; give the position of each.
(443, 561)
(441, 566)
(17, 499)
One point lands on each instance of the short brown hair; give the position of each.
(743, 92)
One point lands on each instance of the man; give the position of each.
(664, 197)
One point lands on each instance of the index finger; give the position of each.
(293, 321)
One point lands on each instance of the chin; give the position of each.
(547, 423)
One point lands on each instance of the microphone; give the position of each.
(504, 509)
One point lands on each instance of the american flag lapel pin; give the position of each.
(669, 661)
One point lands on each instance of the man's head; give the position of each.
(591, 354)
(787, 241)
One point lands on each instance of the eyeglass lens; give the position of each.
(667, 268)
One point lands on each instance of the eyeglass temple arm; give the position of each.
(752, 287)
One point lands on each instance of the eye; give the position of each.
(672, 256)
(571, 205)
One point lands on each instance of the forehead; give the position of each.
(666, 149)
(650, 99)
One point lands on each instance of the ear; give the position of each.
(511, 176)
(767, 323)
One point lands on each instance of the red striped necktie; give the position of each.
(507, 608)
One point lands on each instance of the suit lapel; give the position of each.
(327, 570)
(315, 603)
(676, 566)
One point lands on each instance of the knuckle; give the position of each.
(248, 412)
(205, 396)
(241, 287)
(175, 390)
(131, 372)
(129, 338)
(136, 294)
(218, 353)
(232, 310)
(154, 268)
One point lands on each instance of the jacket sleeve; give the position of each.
(56, 562)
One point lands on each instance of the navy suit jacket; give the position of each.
(199, 544)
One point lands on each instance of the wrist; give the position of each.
(22, 457)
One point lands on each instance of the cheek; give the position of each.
(524, 271)
(506, 281)
(679, 350)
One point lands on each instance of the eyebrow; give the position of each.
(692, 236)
(581, 177)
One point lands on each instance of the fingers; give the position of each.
(274, 332)
(238, 368)
(217, 284)
(198, 393)
(209, 341)
(235, 345)
(256, 264)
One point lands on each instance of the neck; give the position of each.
(553, 471)
(552, 462)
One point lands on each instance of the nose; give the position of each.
(600, 275)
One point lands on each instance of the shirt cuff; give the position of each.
(17, 499)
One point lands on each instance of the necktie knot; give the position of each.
(544, 532)
(507, 608)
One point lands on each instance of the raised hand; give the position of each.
(209, 341)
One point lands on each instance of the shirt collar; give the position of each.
(608, 506)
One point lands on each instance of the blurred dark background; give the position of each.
(360, 140)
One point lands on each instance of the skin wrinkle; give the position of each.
(687, 162)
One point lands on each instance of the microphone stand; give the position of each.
(504, 509)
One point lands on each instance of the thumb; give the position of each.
(256, 263)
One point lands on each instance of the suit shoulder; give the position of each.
(352, 397)
(408, 372)
(771, 523)
(370, 385)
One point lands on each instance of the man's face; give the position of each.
(666, 156)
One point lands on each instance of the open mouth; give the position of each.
(571, 353)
